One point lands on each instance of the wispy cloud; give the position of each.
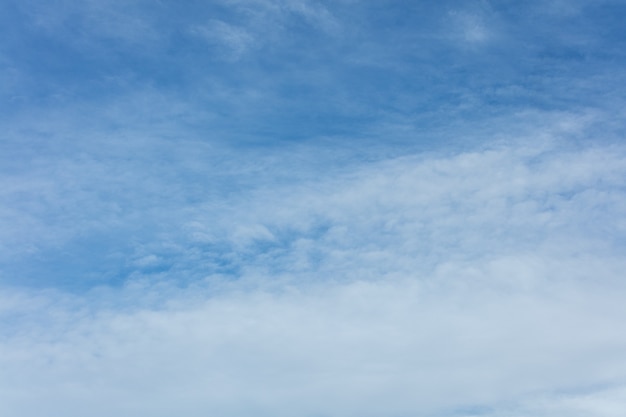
(469, 27)
(236, 40)
(288, 207)
(428, 282)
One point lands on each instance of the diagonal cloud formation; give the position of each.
(303, 207)
(485, 280)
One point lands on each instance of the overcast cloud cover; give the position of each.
(310, 208)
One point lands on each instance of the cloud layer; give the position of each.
(487, 281)
(294, 207)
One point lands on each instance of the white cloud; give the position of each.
(262, 22)
(315, 13)
(599, 401)
(210, 273)
(237, 40)
(380, 348)
(416, 285)
(469, 27)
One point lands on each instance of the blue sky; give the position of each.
(294, 207)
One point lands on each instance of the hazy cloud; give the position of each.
(288, 207)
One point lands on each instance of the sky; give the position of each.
(345, 208)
